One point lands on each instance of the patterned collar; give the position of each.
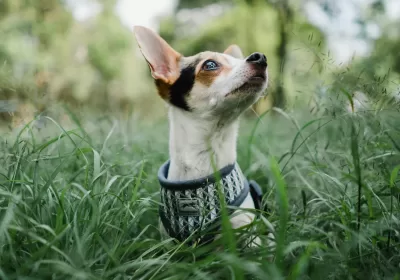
(193, 207)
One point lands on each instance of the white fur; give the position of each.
(194, 141)
(219, 101)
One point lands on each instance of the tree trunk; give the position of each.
(285, 19)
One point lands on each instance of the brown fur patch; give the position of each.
(163, 89)
(208, 77)
(164, 86)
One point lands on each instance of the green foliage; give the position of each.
(108, 39)
(378, 74)
(188, 4)
(219, 36)
(92, 64)
(81, 202)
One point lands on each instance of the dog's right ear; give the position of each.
(235, 51)
(163, 60)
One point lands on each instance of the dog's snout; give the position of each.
(257, 58)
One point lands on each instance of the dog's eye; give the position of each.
(210, 65)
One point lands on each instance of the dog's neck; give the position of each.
(195, 145)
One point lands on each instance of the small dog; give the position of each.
(207, 93)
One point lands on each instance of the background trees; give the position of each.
(48, 56)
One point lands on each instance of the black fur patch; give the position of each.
(183, 85)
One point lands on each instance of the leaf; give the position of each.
(282, 198)
(348, 95)
(393, 175)
(96, 164)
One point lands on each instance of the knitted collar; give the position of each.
(192, 207)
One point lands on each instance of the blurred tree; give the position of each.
(46, 56)
(98, 65)
(377, 75)
(190, 4)
(108, 40)
(29, 31)
(52, 21)
(285, 17)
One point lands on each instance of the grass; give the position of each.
(81, 203)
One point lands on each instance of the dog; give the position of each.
(206, 94)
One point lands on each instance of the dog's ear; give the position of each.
(235, 51)
(163, 60)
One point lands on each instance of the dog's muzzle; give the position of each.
(193, 209)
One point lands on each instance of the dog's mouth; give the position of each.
(258, 78)
(253, 84)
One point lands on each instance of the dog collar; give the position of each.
(193, 207)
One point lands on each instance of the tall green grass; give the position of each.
(81, 202)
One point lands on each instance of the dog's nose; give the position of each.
(257, 58)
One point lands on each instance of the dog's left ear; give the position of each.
(235, 51)
(162, 59)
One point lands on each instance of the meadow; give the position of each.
(80, 202)
(79, 194)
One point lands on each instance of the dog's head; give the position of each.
(208, 84)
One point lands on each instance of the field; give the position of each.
(81, 202)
